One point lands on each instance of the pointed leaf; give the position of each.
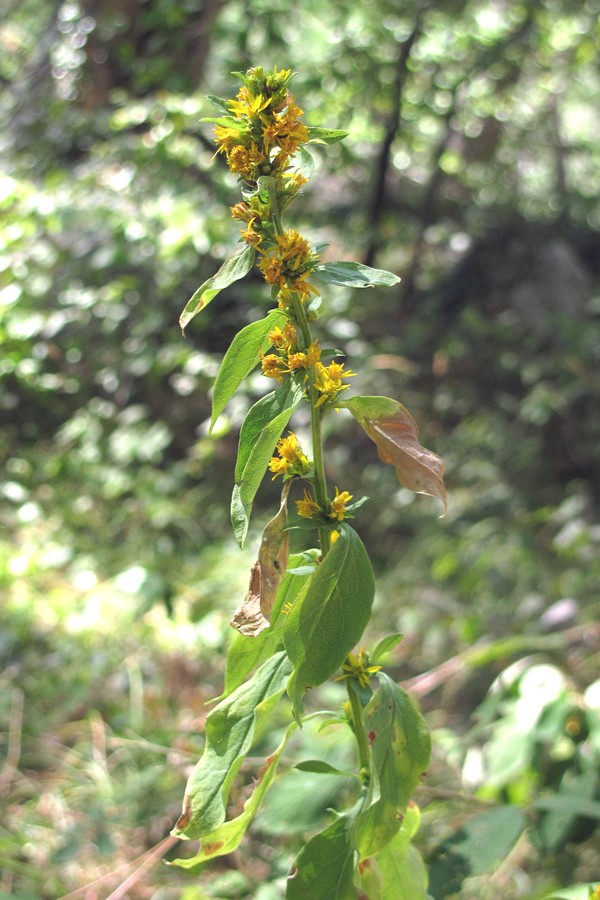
(241, 357)
(395, 434)
(400, 748)
(232, 270)
(320, 767)
(329, 619)
(324, 868)
(354, 274)
(219, 103)
(230, 731)
(228, 836)
(228, 121)
(384, 646)
(259, 434)
(306, 165)
(318, 135)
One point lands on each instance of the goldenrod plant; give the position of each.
(304, 615)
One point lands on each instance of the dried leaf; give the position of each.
(396, 436)
(248, 618)
(266, 574)
(273, 554)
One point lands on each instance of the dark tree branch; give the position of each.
(375, 209)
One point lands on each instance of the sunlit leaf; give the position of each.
(226, 122)
(354, 274)
(318, 135)
(241, 357)
(219, 103)
(306, 164)
(228, 836)
(574, 892)
(400, 748)
(328, 620)
(230, 731)
(383, 647)
(396, 436)
(232, 270)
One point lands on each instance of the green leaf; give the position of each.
(324, 868)
(219, 103)
(575, 892)
(329, 619)
(228, 836)
(232, 270)
(320, 767)
(476, 847)
(241, 357)
(228, 121)
(397, 871)
(383, 647)
(259, 434)
(400, 749)
(229, 732)
(318, 135)
(355, 275)
(306, 165)
(396, 436)
(245, 653)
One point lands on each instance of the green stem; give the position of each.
(362, 741)
(316, 417)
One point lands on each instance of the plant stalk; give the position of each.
(316, 417)
(362, 741)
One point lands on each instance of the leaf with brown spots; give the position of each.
(396, 436)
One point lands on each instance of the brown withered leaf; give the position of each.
(253, 615)
(396, 436)
(273, 553)
(248, 618)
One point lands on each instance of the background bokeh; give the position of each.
(472, 169)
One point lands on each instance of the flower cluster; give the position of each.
(264, 131)
(291, 459)
(358, 666)
(289, 357)
(286, 265)
(329, 381)
(308, 508)
(259, 139)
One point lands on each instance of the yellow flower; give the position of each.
(295, 252)
(306, 360)
(273, 366)
(357, 666)
(270, 266)
(307, 507)
(291, 459)
(246, 104)
(328, 381)
(338, 505)
(283, 339)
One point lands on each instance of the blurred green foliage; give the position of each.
(473, 166)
